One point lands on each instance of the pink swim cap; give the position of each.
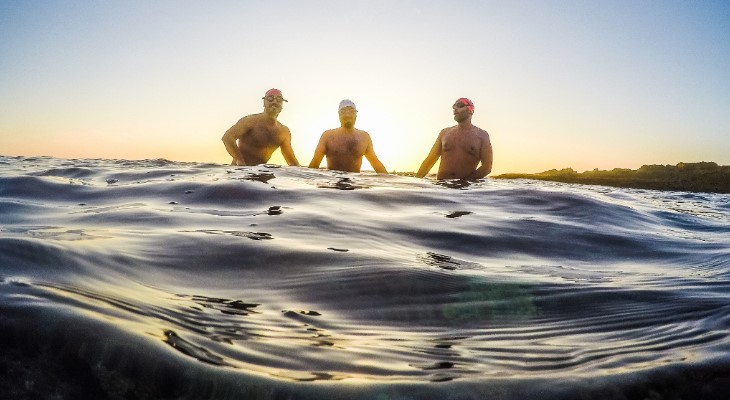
(274, 92)
(468, 103)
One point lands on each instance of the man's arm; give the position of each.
(286, 149)
(319, 152)
(431, 158)
(231, 136)
(373, 158)
(486, 160)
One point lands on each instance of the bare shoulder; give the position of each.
(283, 133)
(252, 118)
(447, 130)
(326, 136)
(242, 126)
(248, 121)
(328, 133)
(363, 134)
(283, 129)
(482, 133)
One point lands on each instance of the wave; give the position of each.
(181, 280)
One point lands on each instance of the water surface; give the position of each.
(157, 279)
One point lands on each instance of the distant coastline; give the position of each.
(689, 177)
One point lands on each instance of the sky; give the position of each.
(557, 84)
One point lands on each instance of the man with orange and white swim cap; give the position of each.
(461, 148)
(254, 138)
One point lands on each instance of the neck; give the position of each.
(270, 117)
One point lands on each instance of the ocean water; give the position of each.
(158, 279)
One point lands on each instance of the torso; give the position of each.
(460, 151)
(345, 149)
(261, 140)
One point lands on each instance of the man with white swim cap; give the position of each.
(345, 146)
(461, 148)
(253, 139)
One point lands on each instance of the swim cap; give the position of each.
(468, 103)
(274, 92)
(346, 103)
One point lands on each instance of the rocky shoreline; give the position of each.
(689, 177)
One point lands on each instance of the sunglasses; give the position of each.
(271, 97)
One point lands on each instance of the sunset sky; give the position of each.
(557, 84)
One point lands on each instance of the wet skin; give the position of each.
(461, 149)
(254, 138)
(345, 146)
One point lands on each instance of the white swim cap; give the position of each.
(346, 103)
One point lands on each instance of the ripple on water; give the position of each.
(365, 284)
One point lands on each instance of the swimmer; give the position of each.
(253, 139)
(345, 146)
(461, 148)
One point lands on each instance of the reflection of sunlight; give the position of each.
(307, 130)
(393, 140)
(389, 140)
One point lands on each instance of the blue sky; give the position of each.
(556, 83)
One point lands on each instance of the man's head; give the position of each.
(463, 109)
(348, 113)
(273, 101)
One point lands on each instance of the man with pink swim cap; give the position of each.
(461, 148)
(254, 138)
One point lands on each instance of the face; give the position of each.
(273, 104)
(461, 112)
(348, 116)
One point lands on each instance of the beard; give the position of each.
(347, 123)
(461, 117)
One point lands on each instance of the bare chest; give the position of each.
(462, 143)
(262, 137)
(346, 145)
